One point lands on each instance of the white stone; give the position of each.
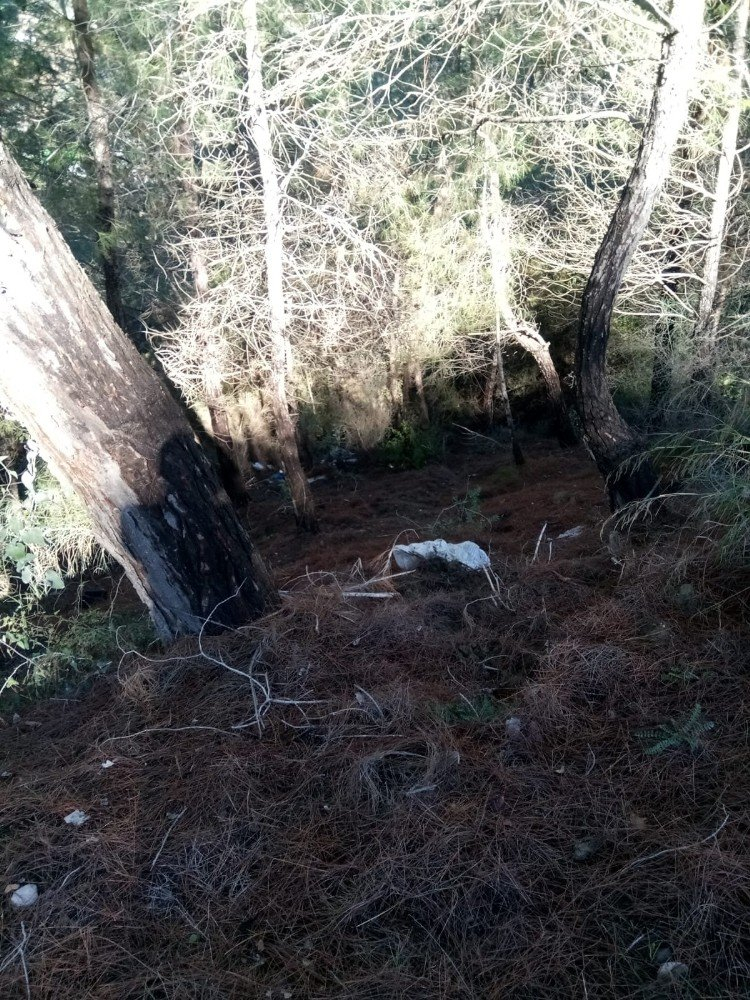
(77, 818)
(673, 971)
(26, 895)
(466, 554)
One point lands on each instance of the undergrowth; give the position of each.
(409, 446)
(48, 655)
(343, 813)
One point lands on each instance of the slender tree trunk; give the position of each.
(417, 379)
(664, 334)
(111, 430)
(101, 152)
(529, 338)
(709, 310)
(230, 462)
(496, 236)
(523, 334)
(259, 132)
(501, 387)
(612, 443)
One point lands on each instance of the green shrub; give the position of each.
(51, 656)
(409, 446)
(711, 469)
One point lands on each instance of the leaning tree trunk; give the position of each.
(531, 340)
(101, 152)
(709, 309)
(612, 443)
(111, 430)
(258, 130)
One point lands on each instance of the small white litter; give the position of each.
(466, 554)
(572, 532)
(513, 727)
(259, 466)
(26, 895)
(106, 764)
(316, 479)
(77, 818)
(673, 971)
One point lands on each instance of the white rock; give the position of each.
(27, 895)
(673, 971)
(77, 818)
(466, 554)
(572, 532)
(513, 727)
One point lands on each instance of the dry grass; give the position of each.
(374, 839)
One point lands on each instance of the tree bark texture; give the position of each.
(101, 152)
(112, 432)
(612, 443)
(259, 132)
(709, 310)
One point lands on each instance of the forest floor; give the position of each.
(525, 786)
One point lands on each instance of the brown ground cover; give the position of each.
(444, 792)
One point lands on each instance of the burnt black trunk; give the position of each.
(111, 431)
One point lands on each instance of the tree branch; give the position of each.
(653, 8)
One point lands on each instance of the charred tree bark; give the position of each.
(259, 133)
(112, 432)
(101, 152)
(612, 443)
(709, 309)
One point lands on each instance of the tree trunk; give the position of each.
(709, 310)
(111, 431)
(226, 447)
(612, 443)
(500, 385)
(259, 132)
(417, 379)
(496, 235)
(101, 152)
(527, 337)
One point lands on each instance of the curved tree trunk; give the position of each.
(259, 132)
(527, 337)
(101, 152)
(612, 443)
(111, 430)
(709, 309)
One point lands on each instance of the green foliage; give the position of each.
(44, 536)
(712, 468)
(62, 654)
(465, 511)
(671, 735)
(481, 709)
(409, 446)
